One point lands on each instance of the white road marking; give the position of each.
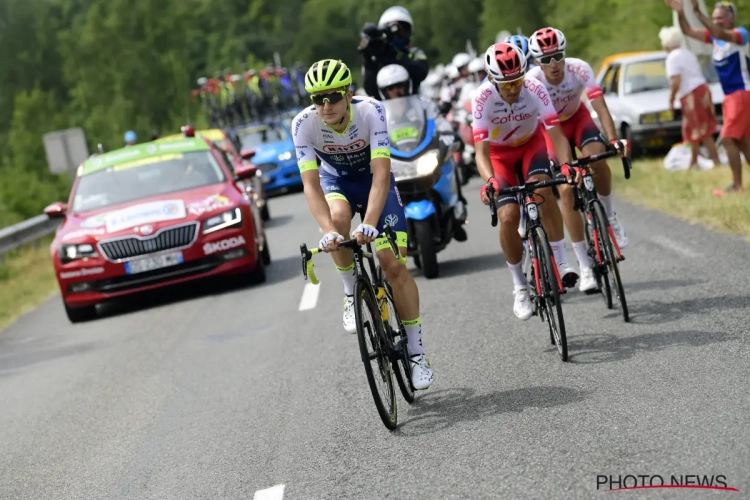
(675, 247)
(309, 297)
(274, 493)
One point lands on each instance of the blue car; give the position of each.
(270, 147)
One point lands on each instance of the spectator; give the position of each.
(688, 84)
(131, 139)
(731, 57)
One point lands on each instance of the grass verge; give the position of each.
(27, 278)
(687, 195)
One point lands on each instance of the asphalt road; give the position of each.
(218, 392)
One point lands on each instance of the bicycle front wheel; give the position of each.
(375, 352)
(612, 261)
(595, 236)
(552, 305)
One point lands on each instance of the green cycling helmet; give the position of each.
(326, 75)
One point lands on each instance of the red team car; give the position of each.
(152, 215)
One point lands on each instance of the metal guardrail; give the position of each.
(25, 232)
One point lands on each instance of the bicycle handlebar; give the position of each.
(308, 270)
(529, 187)
(626, 164)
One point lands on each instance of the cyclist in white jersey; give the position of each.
(350, 137)
(566, 79)
(510, 150)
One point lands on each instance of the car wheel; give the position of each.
(266, 254)
(80, 314)
(635, 149)
(258, 275)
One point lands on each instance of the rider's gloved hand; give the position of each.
(621, 146)
(573, 174)
(365, 233)
(483, 192)
(330, 242)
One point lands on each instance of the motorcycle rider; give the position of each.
(390, 43)
(393, 82)
(460, 75)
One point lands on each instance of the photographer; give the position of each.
(389, 43)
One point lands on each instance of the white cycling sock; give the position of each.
(607, 203)
(347, 276)
(516, 270)
(581, 250)
(558, 250)
(414, 336)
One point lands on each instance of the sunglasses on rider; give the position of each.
(511, 85)
(547, 60)
(331, 97)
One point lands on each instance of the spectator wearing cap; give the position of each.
(688, 84)
(731, 57)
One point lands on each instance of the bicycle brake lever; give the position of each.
(303, 250)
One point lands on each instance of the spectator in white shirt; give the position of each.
(688, 84)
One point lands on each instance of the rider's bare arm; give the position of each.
(316, 200)
(482, 149)
(561, 144)
(688, 30)
(602, 111)
(381, 181)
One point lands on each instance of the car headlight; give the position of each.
(427, 163)
(230, 218)
(69, 253)
(285, 156)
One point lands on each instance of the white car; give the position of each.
(636, 90)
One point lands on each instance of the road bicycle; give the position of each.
(546, 283)
(600, 238)
(377, 322)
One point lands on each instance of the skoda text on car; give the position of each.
(271, 148)
(253, 185)
(152, 215)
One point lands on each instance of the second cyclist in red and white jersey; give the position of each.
(510, 111)
(567, 78)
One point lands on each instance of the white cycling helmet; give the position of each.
(504, 62)
(476, 65)
(546, 41)
(395, 14)
(392, 75)
(452, 72)
(461, 59)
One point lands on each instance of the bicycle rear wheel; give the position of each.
(595, 231)
(552, 305)
(613, 263)
(370, 330)
(397, 335)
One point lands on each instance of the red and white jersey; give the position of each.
(504, 124)
(566, 96)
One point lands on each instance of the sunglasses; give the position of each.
(331, 97)
(511, 85)
(395, 86)
(547, 60)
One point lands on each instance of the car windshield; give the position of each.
(255, 136)
(154, 176)
(651, 75)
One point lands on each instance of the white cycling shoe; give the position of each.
(588, 281)
(421, 374)
(620, 234)
(568, 275)
(522, 307)
(350, 322)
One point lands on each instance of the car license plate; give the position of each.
(656, 141)
(158, 262)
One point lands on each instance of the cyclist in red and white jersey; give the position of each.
(567, 78)
(510, 150)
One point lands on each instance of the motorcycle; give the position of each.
(425, 172)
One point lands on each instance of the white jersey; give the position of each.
(566, 96)
(347, 153)
(504, 124)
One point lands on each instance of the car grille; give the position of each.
(165, 239)
(267, 167)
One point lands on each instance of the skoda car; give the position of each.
(152, 215)
(271, 148)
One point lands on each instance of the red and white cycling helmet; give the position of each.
(546, 41)
(504, 62)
